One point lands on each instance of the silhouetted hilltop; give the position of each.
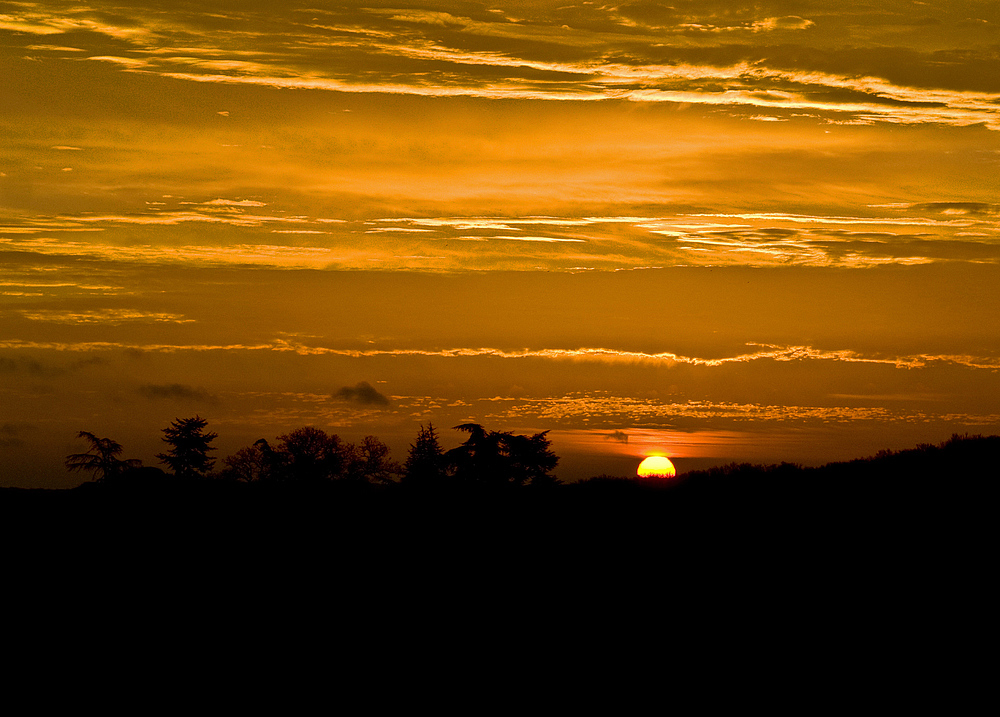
(941, 484)
(893, 524)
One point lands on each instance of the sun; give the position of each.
(656, 467)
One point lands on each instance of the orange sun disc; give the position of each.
(656, 467)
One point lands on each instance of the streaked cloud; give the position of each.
(102, 316)
(234, 203)
(589, 355)
(54, 48)
(641, 54)
(643, 412)
(176, 391)
(909, 234)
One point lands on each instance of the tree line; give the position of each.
(311, 456)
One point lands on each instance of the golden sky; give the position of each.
(722, 231)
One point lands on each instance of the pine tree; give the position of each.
(188, 456)
(425, 462)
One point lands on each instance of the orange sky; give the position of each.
(757, 233)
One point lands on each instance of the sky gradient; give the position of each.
(720, 232)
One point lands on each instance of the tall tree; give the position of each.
(310, 455)
(478, 459)
(101, 458)
(425, 462)
(530, 459)
(373, 462)
(189, 447)
(247, 464)
(497, 458)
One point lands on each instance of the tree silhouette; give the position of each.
(425, 462)
(309, 455)
(101, 458)
(271, 462)
(372, 462)
(189, 446)
(497, 458)
(530, 459)
(248, 464)
(478, 459)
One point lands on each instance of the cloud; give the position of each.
(9, 365)
(176, 391)
(171, 218)
(618, 436)
(103, 316)
(791, 22)
(958, 208)
(652, 14)
(363, 393)
(616, 409)
(233, 203)
(33, 367)
(426, 17)
(125, 61)
(593, 52)
(54, 48)
(11, 434)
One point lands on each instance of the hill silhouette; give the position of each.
(818, 551)
(951, 483)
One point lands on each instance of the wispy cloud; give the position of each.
(234, 203)
(599, 53)
(12, 435)
(646, 412)
(905, 234)
(103, 316)
(765, 352)
(173, 218)
(176, 391)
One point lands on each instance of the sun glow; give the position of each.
(656, 467)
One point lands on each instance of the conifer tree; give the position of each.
(189, 446)
(101, 458)
(425, 462)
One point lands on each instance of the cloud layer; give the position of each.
(746, 228)
(843, 61)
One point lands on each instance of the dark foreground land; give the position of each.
(892, 555)
(929, 496)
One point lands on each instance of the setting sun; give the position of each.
(656, 467)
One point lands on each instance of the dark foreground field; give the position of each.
(927, 496)
(889, 560)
